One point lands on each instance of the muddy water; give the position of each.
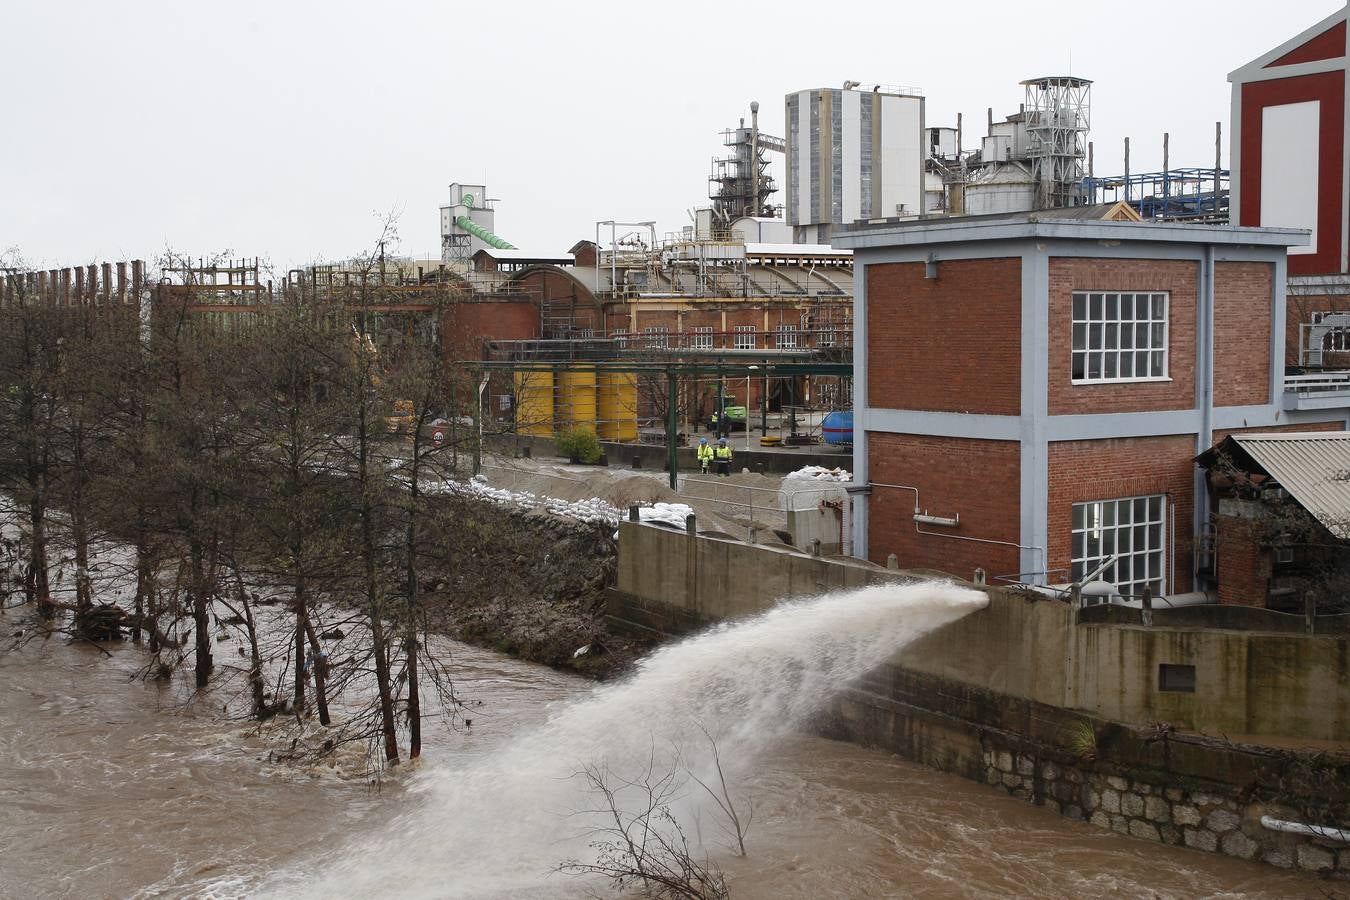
(110, 787)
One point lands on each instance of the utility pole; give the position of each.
(671, 404)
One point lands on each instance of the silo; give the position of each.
(534, 403)
(576, 398)
(618, 406)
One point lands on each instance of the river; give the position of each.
(115, 787)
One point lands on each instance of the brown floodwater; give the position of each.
(114, 787)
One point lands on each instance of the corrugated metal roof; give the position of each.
(1314, 467)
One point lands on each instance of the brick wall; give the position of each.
(1179, 277)
(465, 326)
(562, 295)
(1080, 471)
(1244, 566)
(1242, 303)
(951, 343)
(979, 480)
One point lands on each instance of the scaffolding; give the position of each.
(1058, 117)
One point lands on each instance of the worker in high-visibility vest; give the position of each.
(705, 456)
(722, 455)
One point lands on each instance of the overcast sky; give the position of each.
(287, 129)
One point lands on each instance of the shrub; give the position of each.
(579, 444)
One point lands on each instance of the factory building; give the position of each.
(852, 154)
(1032, 389)
(1033, 159)
(687, 297)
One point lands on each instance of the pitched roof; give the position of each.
(1314, 467)
(1275, 58)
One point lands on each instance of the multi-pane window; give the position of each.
(745, 337)
(786, 337)
(656, 336)
(702, 337)
(1119, 336)
(620, 337)
(1131, 530)
(825, 337)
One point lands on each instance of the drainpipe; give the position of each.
(1319, 831)
(1204, 373)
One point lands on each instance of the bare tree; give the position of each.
(639, 843)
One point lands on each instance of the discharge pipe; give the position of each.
(1320, 831)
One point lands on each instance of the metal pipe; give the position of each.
(754, 158)
(1321, 831)
(949, 521)
(960, 537)
(899, 487)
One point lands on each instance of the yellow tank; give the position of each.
(618, 406)
(576, 398)
(534, 403)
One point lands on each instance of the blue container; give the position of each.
(837, 429)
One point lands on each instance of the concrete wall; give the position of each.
(1026, 699)
(1022, 646)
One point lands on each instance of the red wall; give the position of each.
(1081, 471)
(1329, 88)
(951, 343)
(1179, 278)
(1242, 307)
(465, 326)
(979, 480)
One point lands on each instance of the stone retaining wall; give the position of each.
(1158, 812)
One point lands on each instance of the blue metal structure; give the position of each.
(1171, 195)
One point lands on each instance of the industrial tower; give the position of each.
(740, 184)
(1058, 117)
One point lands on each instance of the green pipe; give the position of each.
(483, 234)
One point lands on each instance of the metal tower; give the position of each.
(740, 183)
(1058, 116)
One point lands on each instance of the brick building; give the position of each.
(1031, 392)
(1291, 156)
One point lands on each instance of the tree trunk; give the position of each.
(200, 614)
(378, 638)
(144, 604)
(301, 669)
(84, 592)
(37, 585)
(410, 626)
(410, 649)
(320, 670)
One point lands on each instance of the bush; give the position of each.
(579, 444)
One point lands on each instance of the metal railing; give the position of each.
(1318, 381)
(749, 503)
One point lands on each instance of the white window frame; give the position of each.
(657, 337)
(787, 337)
(701, 337)
(1107, 342)
(620, 335)
(1098, 530)
(746, 337)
